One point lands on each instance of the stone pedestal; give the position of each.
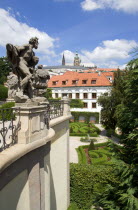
(32, 121)
(66, 110)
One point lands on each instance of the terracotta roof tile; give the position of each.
(101, 80)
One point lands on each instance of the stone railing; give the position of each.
(9, 125)
(25, 124)
(56, 108)
(38, 164)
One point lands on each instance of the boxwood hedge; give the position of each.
(88, 180)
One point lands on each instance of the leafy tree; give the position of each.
(48, 93)
(3, 92)
(125, 195)
(127, 111)
(110, 102)
(76, 103)
(5, 68)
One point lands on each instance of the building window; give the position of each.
(70, 95)
(56, 95)
(74, 82)
(92, 119)
(77, 95)
(81, 119)
(93, 105)
(64, 94)
(84, 81)
(85, 95)
(109, 78)
(85, 105)
(54, 82)
(64, 82)
(94, 95)
(93, 81)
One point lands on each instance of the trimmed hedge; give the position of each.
(100, 160)
(88, 180)
(78, 134)
(82, 129)
(81, 155)
(93, 154)
(87, 116)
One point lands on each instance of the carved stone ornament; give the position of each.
(25, 80)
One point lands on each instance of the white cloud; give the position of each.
(15, 32)
(129, 6)
(111, 50)
(69, 56)
(109, 54)
(90, 5)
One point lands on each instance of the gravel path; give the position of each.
(75, 143)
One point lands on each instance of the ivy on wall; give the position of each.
(86, 115)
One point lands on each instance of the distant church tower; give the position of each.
(63, 60)
(77, 60)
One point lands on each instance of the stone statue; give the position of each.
(12, 83)
(27, 79)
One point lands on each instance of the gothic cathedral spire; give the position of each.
(63, 60)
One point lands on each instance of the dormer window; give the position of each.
(109, 78)
(64, 82)
(93, 81)
(54, 82)
(74, 82)
(84, 81)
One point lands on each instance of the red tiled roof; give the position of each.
(101, 69)
(101, 80)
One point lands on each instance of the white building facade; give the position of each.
(88, 95)
(87, 86)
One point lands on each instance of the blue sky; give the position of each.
(104, 32)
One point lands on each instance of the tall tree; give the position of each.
(110, 101)
(5, 68)
(125, 195)
(127, 111)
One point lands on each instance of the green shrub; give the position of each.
(110, 132)
(91, 146)
(93, 154)
(81, 155)
(83, 128)
(73, 206)
(87, 140)
(6, 114)
(76, 103)
(101, 144)
(93, 134)
(83, 139)
(3, 92)
(100, 160)
(87, 116)
(87, 179)
(77, 134)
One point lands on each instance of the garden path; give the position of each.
(74, 142)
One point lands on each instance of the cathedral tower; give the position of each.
(77, 60)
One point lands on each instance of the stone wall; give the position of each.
(34, 175)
